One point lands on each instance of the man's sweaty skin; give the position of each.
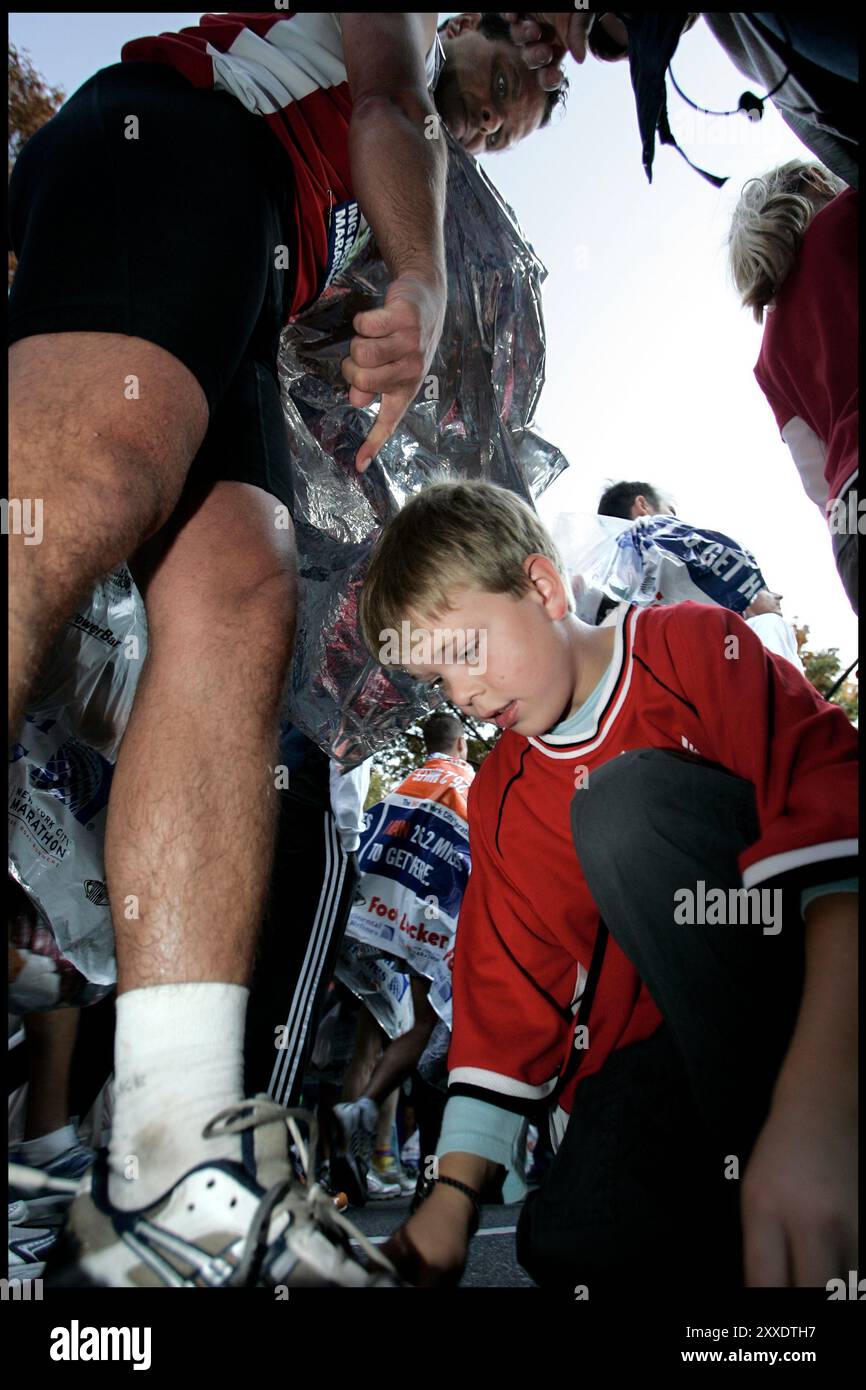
(489, 101)
(486, 94)
(399, 178)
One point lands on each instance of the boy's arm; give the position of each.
(507, 1047)
(799, 1197)
(398, 173)
(431, 1247)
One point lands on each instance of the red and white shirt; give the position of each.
(528, 921)
(288, 68)
(808, 366)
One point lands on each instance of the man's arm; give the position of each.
(398, 163)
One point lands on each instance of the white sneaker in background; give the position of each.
(353, 1130)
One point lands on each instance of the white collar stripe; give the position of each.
(581, 745)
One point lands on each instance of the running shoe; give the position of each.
(222, 1224)
(28, 1243)
(339, 1199)
(390, 1172)
(353, 1129)
(381, 1189)
(410, 1154)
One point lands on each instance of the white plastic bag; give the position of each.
(59, 780)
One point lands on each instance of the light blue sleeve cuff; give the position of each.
(475, 1126)
(845, 885)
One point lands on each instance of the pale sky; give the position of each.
(649, 356)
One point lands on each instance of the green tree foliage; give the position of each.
(823, 669)
(31, 104)
(396, 761)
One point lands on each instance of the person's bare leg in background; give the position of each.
(50, 1042)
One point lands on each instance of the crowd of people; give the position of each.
(634, 927)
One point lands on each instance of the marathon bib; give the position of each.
(414, 858)
(344, 231)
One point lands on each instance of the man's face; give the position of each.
(526, 680)
(765, 601)
(486, 95)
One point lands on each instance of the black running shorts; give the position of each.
(165, 227)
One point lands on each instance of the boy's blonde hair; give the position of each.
(451, 536)
(768, 226)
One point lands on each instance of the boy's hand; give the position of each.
(430, 1249)
(799, 1197)
(415, 1268)
(391, 354)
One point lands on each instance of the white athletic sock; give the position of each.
(178, 1061)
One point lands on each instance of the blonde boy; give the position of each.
(658, 943)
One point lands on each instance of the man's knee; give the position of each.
(251, 627)
(104, 425)
(269, 609)
(221, 567)
(91, 520)
(610, 808)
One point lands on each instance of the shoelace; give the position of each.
(315, 1204)
(34, 1180)
(78, 1159)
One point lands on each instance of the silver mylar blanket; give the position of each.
(471, 420)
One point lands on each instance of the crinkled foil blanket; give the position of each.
(471, 420)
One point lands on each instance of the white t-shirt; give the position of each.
(777, 636)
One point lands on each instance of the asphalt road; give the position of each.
(491, 1263)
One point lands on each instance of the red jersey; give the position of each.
(808, 363)
(289, 69)
(528, 922)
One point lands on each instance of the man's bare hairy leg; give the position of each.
(193, 802)
(101, 472)
(191, 824)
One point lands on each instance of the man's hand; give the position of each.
(545, 39)
(391, 354)
(799, 1197)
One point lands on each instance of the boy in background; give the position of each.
(693, 1045)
